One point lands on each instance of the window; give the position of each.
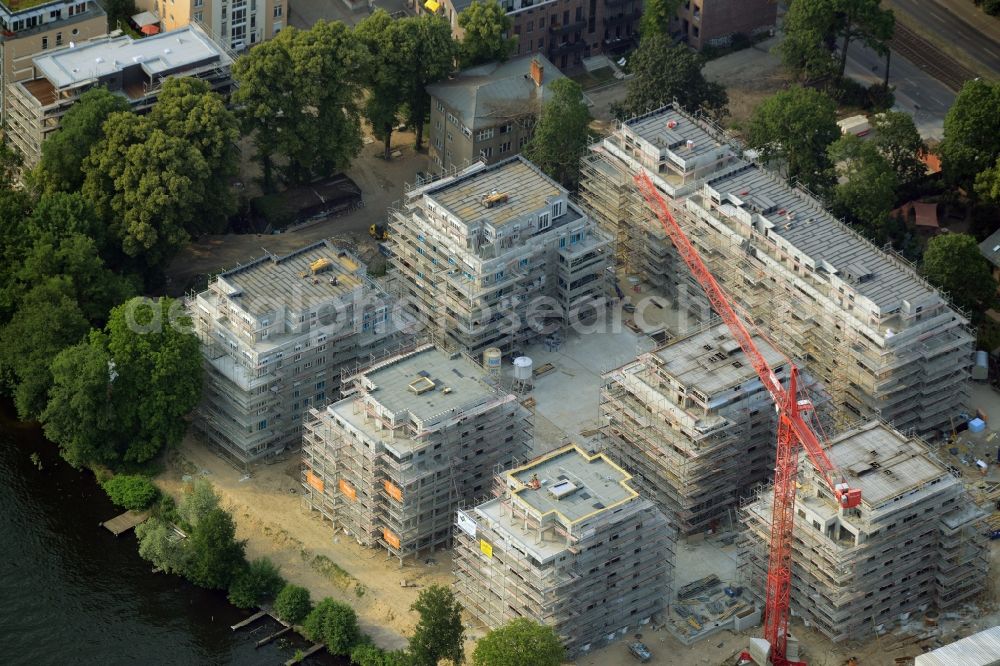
(277, 11)
(58, 39)
(199, 16)
(262, 425)
(543, 221)
(522, 142)
(440, 107)
(541, 43)
(484, 135)
(486, 153)
(199, 3)
(557, 209)
(45, 42)
(505, 147)
(506, 128)
(498, 276)
(531, 26)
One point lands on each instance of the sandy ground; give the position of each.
(749, 76)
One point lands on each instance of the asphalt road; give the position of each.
(918, 94)
(958, 26)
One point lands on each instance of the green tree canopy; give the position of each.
(988, 183)
(971, 133)
(159, 544)
(370, 655)
(131, 491)
(198, 502)
(434, 55)
(812, 27)
(335, 624)
(898, 141)
(520, 641)
(82, 127)
(439, 632)
(656, 17)
(866, 187)
(487, 33)
(664, 72)
(293, 603)
(216, 557)
(560, 137)
(794, 127)
(297, 98)
(255, 583)
(954, 263)
(10, 165)
(388, 75)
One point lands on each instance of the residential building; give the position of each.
(275, 334)
(495, 256)
(488, 112)
(694, 425)
(132, 68)
(702, 23)
(31, 27)
(564, 31)
(417, 434)
(990, 248)
(239, 24)
(915, 542)
(883, 341)
(569, 543)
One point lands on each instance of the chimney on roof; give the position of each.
(536, 72)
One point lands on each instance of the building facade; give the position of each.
(488, 112)
(28, 29)
(495, 256)
(275, 335)
(568, 543)
(132, 68)
(239, 24)
(915, 542)
(883, 341)
(701, 23)
(417, 434)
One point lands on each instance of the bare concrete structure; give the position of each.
(694, 425)
(569, 543)
(416, 434)
(495, 256)
(882, 340)
(275, 334)
(915, 542)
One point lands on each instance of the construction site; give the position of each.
(915, 543)
(416, 434)
(567, 542)
(884, 342)
(492, 256)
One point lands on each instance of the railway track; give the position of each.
(929, 58)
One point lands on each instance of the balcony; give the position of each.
(615, 4)
(620, 19)
(566, 47)
(567, 28)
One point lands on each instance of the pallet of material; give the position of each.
(529, 402)
(543, 369)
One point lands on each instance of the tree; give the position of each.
(216, 555)
(812, 28)
(335, 624)
(80, 129)
(665, 72)
(520, 641)
(656, 17)
(560, 137)
(795, 127)
(198, 502)
(439, 632)
(897, 139)
(434, 55)
(988, 184)
(10, 165)
(161, 545)
(954, 263)
(866, 187)
(487, 33)
(297, 98)
(293, 603)
(119, 12)
(971, 133)
(371, 655)
(47, 321)
(187, 108)
(255, 583)
(131, 491)
(388, 73)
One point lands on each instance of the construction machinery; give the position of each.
(794, 431)
(379, 232)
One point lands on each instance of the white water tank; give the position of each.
(522, 368)
(492, 359)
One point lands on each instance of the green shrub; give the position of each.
(293, 603)
(255, 583)
(334, 624)
(131, 492)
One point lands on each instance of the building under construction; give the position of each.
(416, 434)
(883, 341)
(568, 543)
(694, 424)
(496, 255)
(915, 542)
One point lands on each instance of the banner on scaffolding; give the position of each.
(348, 490)
(466, 524)
(314, 481)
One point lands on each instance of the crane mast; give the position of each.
(794, 432)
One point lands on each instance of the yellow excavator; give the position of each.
(379, 232)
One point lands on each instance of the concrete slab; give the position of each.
(696, 558)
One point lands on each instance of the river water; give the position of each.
(72, 593)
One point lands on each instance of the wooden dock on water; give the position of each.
(308, 653)
(250, 620)
(125, 522)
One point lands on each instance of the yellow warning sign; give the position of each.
(486, 548)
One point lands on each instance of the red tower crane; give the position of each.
(794, 431)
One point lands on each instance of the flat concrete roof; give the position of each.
(526, 187)
(457, 383)
(654, 128)
(594, 484)
(882, 462)
(157, 55)
(711, 360)
(273, 281)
